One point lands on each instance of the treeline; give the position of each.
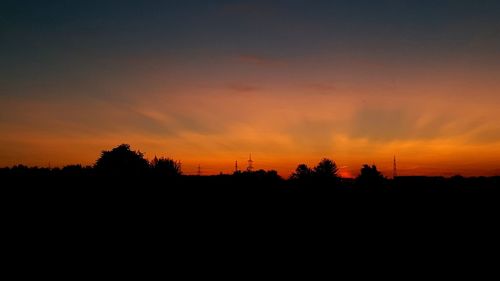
(122, 161)
(122, 165)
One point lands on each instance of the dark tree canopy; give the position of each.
(326, 169)
(302, 172)
(166, 167)
(258, 177)
(325, 173)
(121, 160)
(370, 177)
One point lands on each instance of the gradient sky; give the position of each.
(208, 82)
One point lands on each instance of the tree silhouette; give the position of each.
(326, 169)
(122, 161)
(166, 167)
(302, 172)
(370, 178)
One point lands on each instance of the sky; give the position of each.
(209, 82)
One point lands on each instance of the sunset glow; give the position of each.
(209, 82)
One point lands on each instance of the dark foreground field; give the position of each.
(71, 193)
(85, 189)
(190, 218)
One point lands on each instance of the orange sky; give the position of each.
(281, 121)
(290, 83)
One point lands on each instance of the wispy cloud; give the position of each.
(243, 88)
(320, 88)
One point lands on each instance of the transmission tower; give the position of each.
(236, 166)
(394, 169)
(250, 163)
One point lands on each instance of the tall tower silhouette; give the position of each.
(394, 169)
(236, 166)
(250, 163)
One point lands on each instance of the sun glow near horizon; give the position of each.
(415, 81)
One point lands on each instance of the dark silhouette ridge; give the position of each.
(157, 193)
(122, 167)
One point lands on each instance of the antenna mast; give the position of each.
(250, 163)
(394, 169)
